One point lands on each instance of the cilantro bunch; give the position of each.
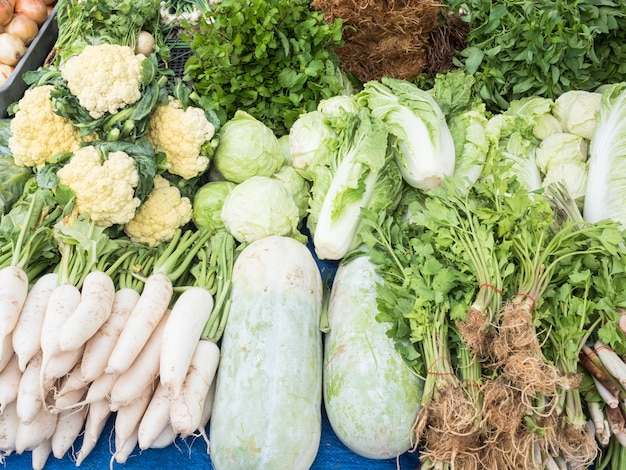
(272, 59)
(544, 47)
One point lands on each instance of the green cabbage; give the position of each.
(576, 110)
(207, 205)
(259, 207)
(247, 148)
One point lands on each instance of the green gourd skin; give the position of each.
(371, 396)
(267, 407)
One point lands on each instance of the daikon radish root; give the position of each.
(40, 454)
(155, 297)
(100, 389)
(30, 435)
(96, 300)
(63, 301)
(165, 438)
(13, 292)
(29, 398)
(59, 366)
(73, 381)
(97, 416)
(128, 418)
(68, 427)
(122, 453)
(206, 415)
(9, 382)
(150, 308)
(155, 419)
(142, 372)
(99, 347)
(186, 409)
(27, 331)
(8, 428)
(189, 314)
(6, 351)
(70, 401)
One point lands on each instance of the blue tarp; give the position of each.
(191, 454)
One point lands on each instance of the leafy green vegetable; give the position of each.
(83, 22)
(273, 59)
(247, 147)
(545, 48)
(425, 151)
(604, 197)
(13, 178)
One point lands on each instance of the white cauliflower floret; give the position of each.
(161, 214)
(181, 133)
(104, 78)
(37, 133)
(104, 189)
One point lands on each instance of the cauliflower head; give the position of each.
(180, 133)
(37, 133)
(161, 214)
(104, 78)
(104, 189)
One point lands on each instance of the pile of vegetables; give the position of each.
(163, 243)
(20, 21)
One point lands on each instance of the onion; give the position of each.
(23, 27)
(12, 49)
(6, 12)
(34, 9)
(145, 43)
(5, 73)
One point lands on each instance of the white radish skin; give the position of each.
(74, 381)
(155, 419)
(269, 381)
(97, 417)
(29, 400)
(63, 301)
(60, 365)
(151, 306)
(9, 382)
(6, 351)
(96, 300)
(27, 331)
(128, 418)
(206, 415)
(8, 428)
(184, 328)
(13, 292)
(122, 453)
(40, 454)
(165, 438)
(69, 401)
(34, 433)
(143, 371)
(186, 410)
(100, 389)
(68, 427)
(99, 347)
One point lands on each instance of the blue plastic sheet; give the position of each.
(191, 454)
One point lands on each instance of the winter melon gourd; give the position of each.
(371, 397)
(268, 397)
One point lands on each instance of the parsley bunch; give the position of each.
(272, 59)
(544, 47)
